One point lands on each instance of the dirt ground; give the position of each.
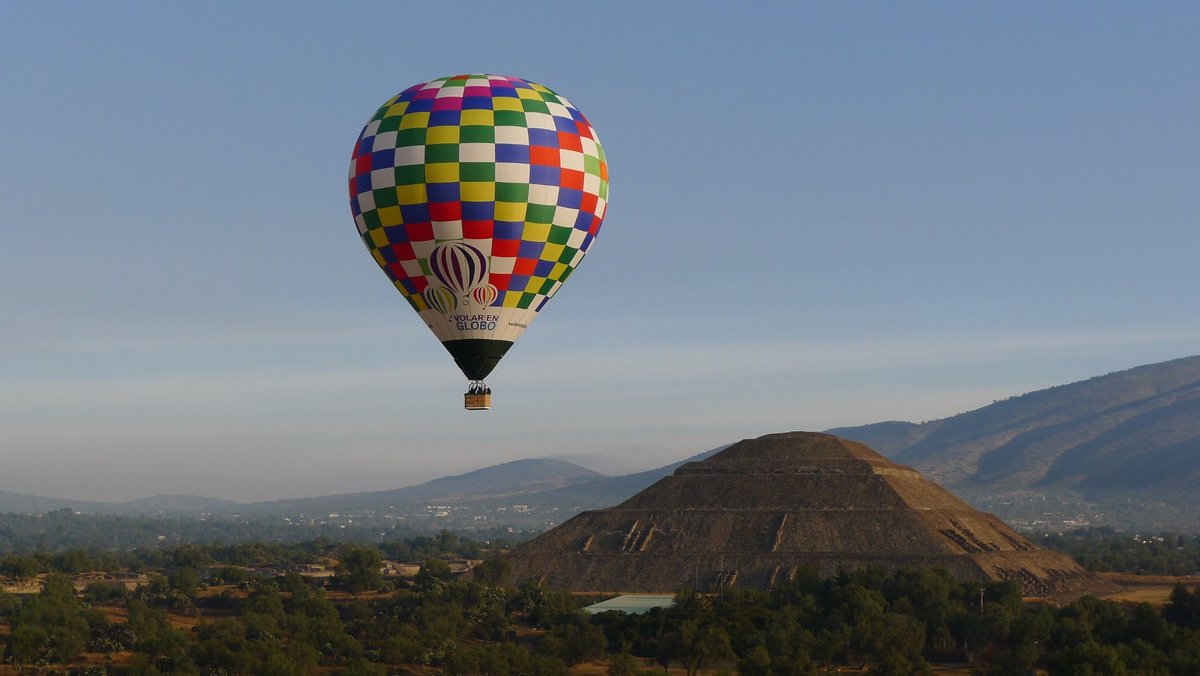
(1152, 589)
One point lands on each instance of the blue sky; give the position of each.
(821, 214)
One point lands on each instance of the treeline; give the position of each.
(412, 549)
(63, 530)
(896, 623)
(1097, 549)
(1106, 550)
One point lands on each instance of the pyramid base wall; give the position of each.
(1039, 574)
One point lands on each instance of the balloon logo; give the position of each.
(441, 299)
(485, 295)
(483, 190)
(460, 266)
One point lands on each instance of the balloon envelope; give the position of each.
(478, 195)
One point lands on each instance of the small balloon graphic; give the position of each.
(458, 265)
(441, 299)
(485, 295)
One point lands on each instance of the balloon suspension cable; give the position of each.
(478, 396)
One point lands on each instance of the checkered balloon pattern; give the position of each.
(482, 190)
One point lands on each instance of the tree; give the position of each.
(1183, 608)
(189, 556)
(1088, 658)
(757, 661)
(74, 561)
(894, 638)
(622, 664)
(358, 569)
(26, 643)
(699, 642)
(493, 572)
(432, 574)
(184, 581)
(574, 639)
(20, 567)
(50, 625)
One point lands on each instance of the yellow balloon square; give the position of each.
(414, 121)
(535, 232)
(412, 194)
(378, 237)
(534, 284)
(378, 257)
(472, 118)
(513, 212)
(551, 252)
(441, 172)
(445, 134)
(396, 109)
(477, 191)
(529, 94)
(389, 216)
(507, 103)
(511, 298)
(557, 272)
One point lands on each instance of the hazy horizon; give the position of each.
(821, 215)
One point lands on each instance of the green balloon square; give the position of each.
(385, 197)
(477, 134)
(591, 165)
(532, 106)
(441, 152)
(389, 124)
(540, 213)
(512, 192)
(559, 234)
(477, 171)
(509, 118)
(410, 137)
(411, 174)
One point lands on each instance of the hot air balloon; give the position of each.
(478, 195)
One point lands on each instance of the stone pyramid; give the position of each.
(755, 513)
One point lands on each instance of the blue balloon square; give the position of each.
(415, 213)
(442, 192)
(512, 153)
(508, 230)
(543, 175)
(396, 234)
(543, 137)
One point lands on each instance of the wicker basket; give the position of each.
(477, 402)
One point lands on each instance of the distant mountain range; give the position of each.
(507, 482)
(542, 483)
(1120, 449)
(1130, 437)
